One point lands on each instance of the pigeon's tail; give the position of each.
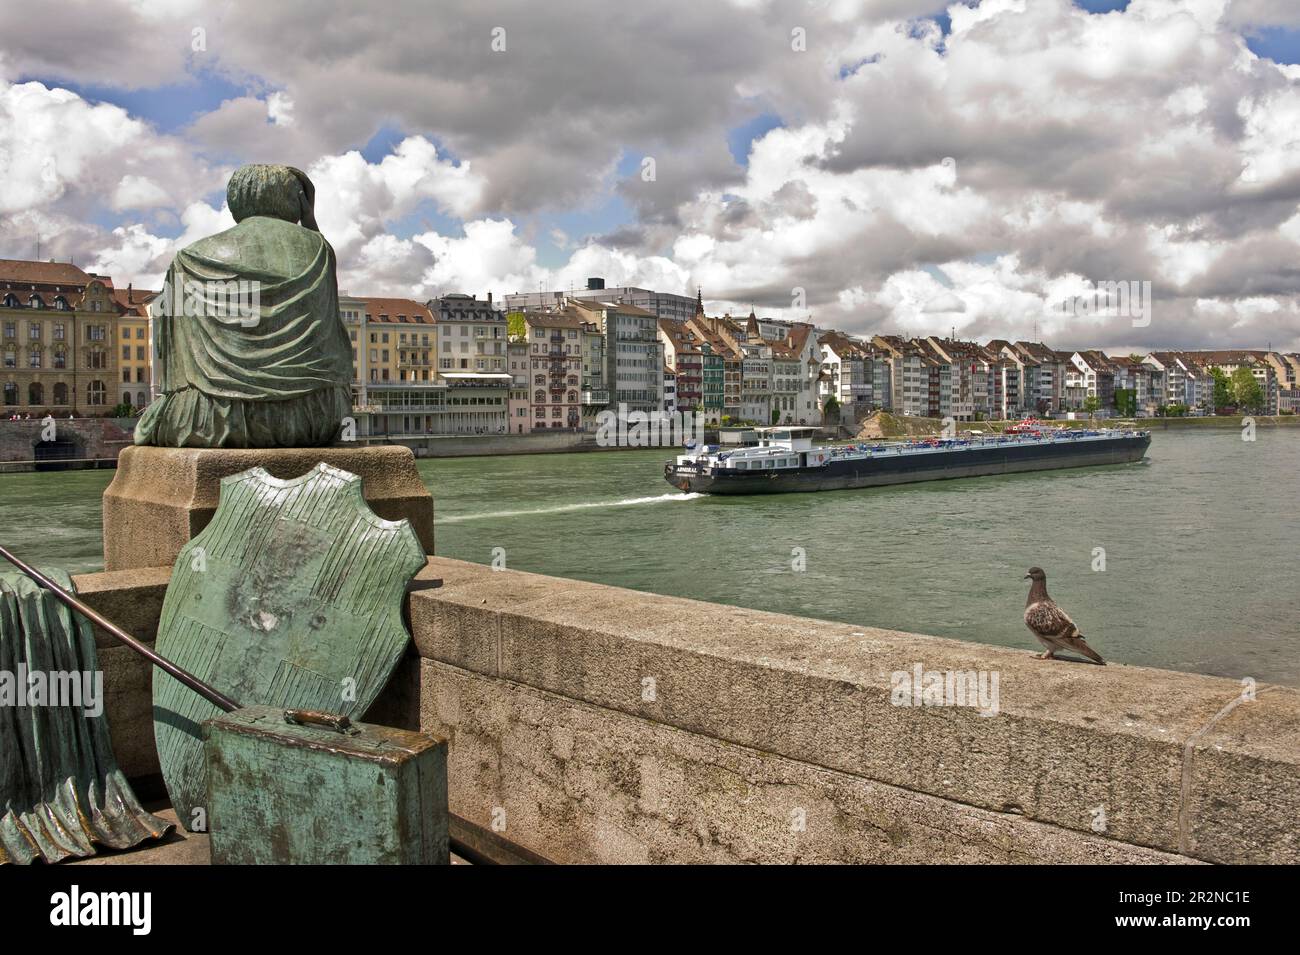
(1079, 644)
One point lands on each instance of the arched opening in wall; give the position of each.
(58, 454)
(35, 394)
(11, 394)
(141, 399)
(60, 393)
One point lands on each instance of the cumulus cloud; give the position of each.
(1031, 149)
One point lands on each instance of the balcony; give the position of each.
(595, 396)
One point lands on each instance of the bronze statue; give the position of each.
(250, 348)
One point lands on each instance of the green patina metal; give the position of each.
(251, 351)
(61, 792)
(303, 792)
(290, 597)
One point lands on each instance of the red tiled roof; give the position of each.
(396, 311)
(23, 272)
(132, 300)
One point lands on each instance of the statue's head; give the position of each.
(280, 192)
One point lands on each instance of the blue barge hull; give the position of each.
(915, 464)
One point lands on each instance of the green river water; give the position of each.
(1201, 544)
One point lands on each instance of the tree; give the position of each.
(776, 416)
(1246, 390)
(1091, 404)
(831, 411)
(516, 328)
(1222, 388)
(1126, 401)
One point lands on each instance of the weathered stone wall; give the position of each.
(475, 445)
(601, 724)
(99, 438)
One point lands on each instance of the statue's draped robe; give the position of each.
(279, 378)
(60, 789)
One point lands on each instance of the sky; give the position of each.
(878, 166)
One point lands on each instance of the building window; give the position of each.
(95, 333)
(34, 357)
(34, 331)
(96, 393)
(60, 357)
(11, 393)
(58, 331)
(60, 393)
(35, 394)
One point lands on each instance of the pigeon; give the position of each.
(1052, 625)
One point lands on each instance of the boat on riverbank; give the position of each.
(785, 460)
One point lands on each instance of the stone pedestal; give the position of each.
(161, 497)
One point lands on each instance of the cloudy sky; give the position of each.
(909, 167)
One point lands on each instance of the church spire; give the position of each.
(699, 301)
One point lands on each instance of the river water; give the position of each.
(1200, 544)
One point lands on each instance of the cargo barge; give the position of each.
(785, 460)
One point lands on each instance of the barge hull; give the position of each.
(907, 469)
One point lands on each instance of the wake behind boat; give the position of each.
(785, 459)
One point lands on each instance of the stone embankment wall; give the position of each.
(595, 724)
(882, 424)
(472, 445)
(89, 438)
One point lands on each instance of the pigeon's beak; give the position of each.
(1026, 577)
